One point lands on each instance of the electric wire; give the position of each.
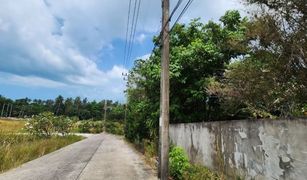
(188, 4)
(134, 30)
(127, 31)
(131, 32)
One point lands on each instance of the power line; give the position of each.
(186, 7)
(182, 13)
(135, 26)
(131, 32)
(127, 31)
(188, 4)
(171, 16)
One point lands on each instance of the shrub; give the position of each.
(179, 162)
(180, 167)
(115, 128)
(44, 124)
(41, 125)
(89, 126)
(62, 124)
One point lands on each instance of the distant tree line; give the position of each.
(71, 107)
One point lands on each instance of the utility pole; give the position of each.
(126, 105)
(164, 102)
(3, 106)
(105, 115)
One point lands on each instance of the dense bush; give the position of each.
(62, 124)
(41, 125)
(115, 128)
(89, 126)
(44, 124)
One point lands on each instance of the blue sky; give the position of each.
(76, 48)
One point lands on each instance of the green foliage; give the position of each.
(69, 107)
(89, 126)
(180, 167)
(198, 51)
(41, 125)
(271, 81)
(115, 128)
(178, 163)
(62, 124)
(44, 124)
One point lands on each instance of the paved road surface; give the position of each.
(102, 156)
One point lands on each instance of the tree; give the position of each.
(68, 107)
(59, 105)
(272, 79)
(198, 52)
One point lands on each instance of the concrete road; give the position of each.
(102, 156)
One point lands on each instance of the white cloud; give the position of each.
(56, 43)
(141, 38)
(144, 57)
(29, 81)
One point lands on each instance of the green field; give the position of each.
(17, 147)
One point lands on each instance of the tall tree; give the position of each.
(275, 70)
(198, 51)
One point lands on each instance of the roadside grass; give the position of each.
(11, 125)
(17, 147)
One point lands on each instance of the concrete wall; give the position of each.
(251, 149)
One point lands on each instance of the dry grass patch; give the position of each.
(17, 147)
(11, 125)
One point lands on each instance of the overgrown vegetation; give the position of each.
(237, 68)
(198, 53)
(90, 126)
(46, 124)
(18, 147)
(178, 162)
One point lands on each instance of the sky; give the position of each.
(76, 47)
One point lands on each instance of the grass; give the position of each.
(17, 148)
(199, 172)
(11, 125)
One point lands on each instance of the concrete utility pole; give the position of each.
(164, 102)
(3, 106)
(105, 114)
